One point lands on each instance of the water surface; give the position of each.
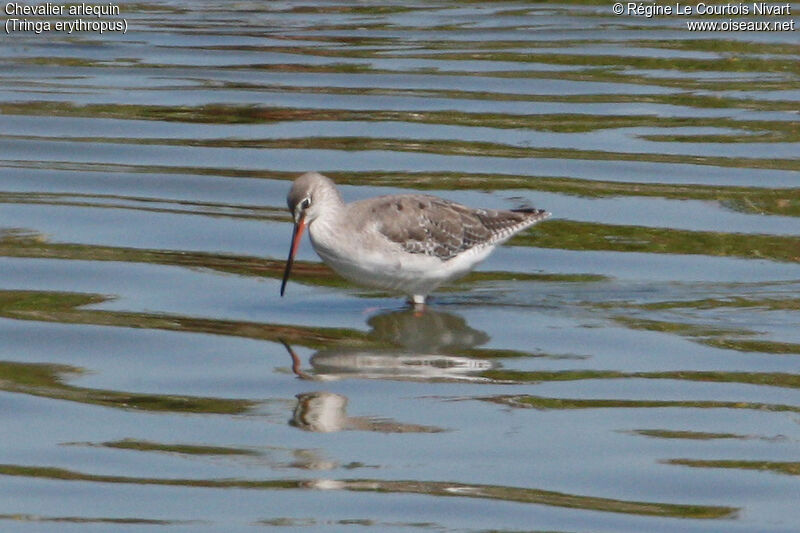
(631, 364)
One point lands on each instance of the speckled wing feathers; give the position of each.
(440, 228)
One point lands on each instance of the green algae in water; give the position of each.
(431, 488)
(573, 235)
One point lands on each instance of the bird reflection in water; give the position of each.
(410, 346)
(326, 412)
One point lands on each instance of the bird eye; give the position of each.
(305, 203)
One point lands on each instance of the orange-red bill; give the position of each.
(297, 232)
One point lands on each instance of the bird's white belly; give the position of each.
(396, 269)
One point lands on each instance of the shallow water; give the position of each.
(630, 364)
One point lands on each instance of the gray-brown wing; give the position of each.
(440, 228)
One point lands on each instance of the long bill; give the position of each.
(297, 232)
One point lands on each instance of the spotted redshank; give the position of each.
(405, 243)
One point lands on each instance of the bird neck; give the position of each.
(328, 210)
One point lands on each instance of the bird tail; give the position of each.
(538, 214)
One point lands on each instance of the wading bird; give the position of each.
(405, 243)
